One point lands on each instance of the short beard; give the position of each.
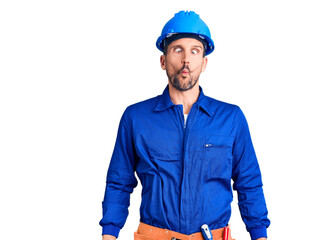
(176, 83)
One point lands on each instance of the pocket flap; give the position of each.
(218, 141)
(165, 155)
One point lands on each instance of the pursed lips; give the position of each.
(185, 70)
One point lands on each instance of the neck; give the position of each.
(185, 98)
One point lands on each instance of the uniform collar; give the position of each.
(164, 102)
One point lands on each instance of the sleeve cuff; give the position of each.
(110, 230)
(258, 232)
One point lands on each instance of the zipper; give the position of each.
(212, 145)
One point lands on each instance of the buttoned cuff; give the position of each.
(258, 232)
(110, 230)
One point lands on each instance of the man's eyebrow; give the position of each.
(194, 46)
(197, 46)
(175, 46)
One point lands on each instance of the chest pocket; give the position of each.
(218, 156)
(161, 144)
(165, 149)
(165, 157)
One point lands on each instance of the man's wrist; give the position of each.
(108, 237)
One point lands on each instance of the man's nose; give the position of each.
(186, 58)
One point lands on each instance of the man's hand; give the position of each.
(110, 237)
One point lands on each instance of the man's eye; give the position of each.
(178, 50)
(195, 51)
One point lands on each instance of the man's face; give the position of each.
(184, 63)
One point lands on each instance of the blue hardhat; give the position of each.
(188, 23)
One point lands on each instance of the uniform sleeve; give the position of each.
(247, 181)
(120, 181)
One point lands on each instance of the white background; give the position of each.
(68, 69)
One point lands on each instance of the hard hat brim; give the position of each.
(209, 48)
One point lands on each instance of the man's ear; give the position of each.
(204, 64)
(163, 62)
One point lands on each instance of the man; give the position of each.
(185, 147)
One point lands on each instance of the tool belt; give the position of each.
(148, 232)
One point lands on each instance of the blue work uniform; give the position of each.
(185, 170)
